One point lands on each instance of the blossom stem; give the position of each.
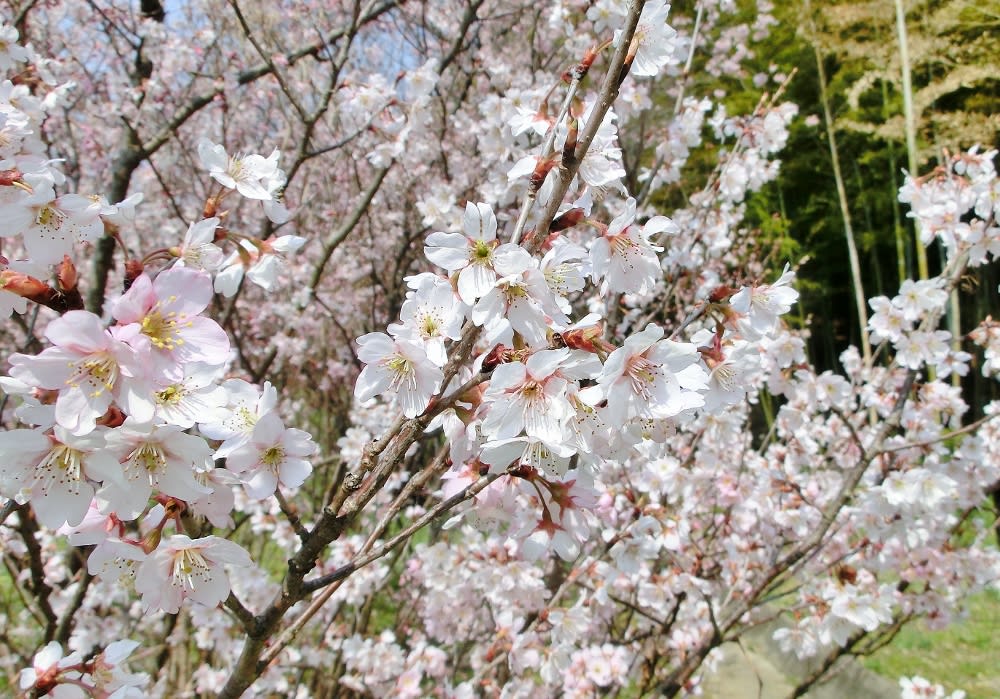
(550, 138)
(606, 97)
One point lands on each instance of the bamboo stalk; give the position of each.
(909, 118)
(845, 211)
(953, 314)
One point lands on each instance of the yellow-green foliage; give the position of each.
(955, 68)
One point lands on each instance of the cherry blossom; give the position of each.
(476, 254)
(649, 377)
(183, 568)
(616, 399)
(623, 255)
(90, 367)
(399, 366)
(54, 472)
(197, 250)
(53, 673)
(10, 51)
(160, 457)
(272, 456)
(529, 397)
(243, 173)
(653, 44)
(50, 225)
(164, 315)
(430, 315)
(762, 304)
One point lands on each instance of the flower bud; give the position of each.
(113, 418)
(721, 293)
(589, 339)
(133, 268)
(541, 170)
(25, 286)
(66, 275)
(152, 540)
(567, 220)
(569, 148)
(9, 177)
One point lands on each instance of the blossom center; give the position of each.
(171, 395)
(63, 465)
(189, 566)
(514, 291)
(481, 252)
(99, 371)
(48, 216)
(556, 278)
(641, 374)
(163, 330)
(429, 326)
(150, 457)
(238, 169)
(725, 375)
(403, 371)
(273, 457)
(623, 245)
(531, 391)
(243, 419)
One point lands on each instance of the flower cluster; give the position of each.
(590, 446)
(71, 677)
(127, 420)
(560, 400)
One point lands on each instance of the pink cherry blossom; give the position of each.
(91, 367)
(165, 313)
(529, 397)
(184, 568)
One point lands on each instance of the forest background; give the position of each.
(956, 98)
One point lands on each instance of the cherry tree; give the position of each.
(351, 354)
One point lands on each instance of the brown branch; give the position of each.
(291, 515)
(244, 615)
(381, 458)
(39, 587)
(66, 622)
(340, 235)
(606, 97)
(266, 57)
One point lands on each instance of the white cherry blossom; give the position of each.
(273, 455)
(623, 255)
(244, 173)
(399, 366)
(649, 377)
(529, 397)
(476, 253)
(55, 472)
(762, 304)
